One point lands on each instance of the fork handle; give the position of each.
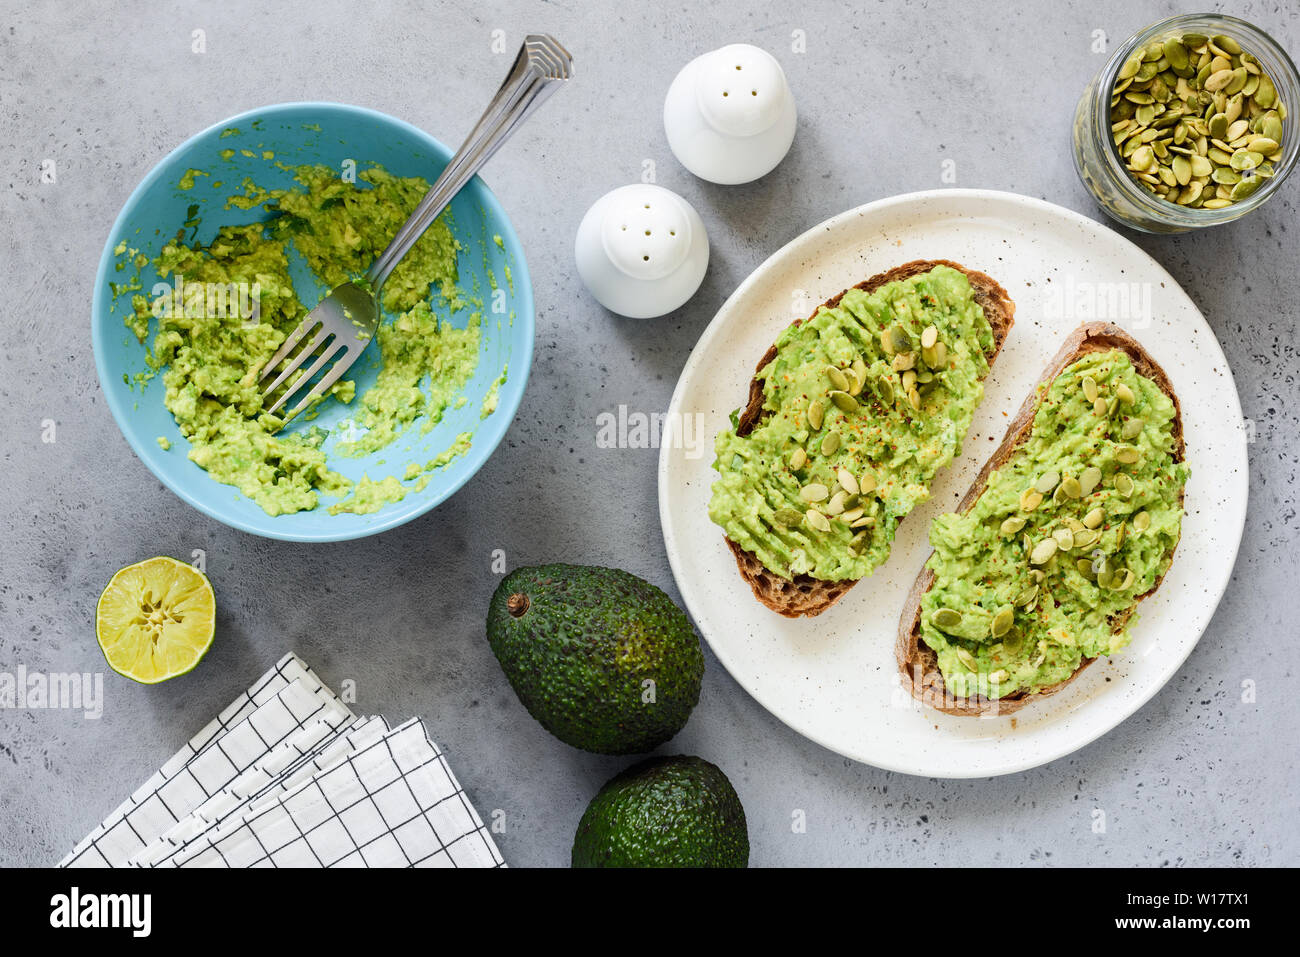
(541, 66)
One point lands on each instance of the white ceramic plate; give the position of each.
(833, 677)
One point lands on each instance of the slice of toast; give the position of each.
(917, 662)
(803, 594)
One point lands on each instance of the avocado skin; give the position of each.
(664, 812)
(578, 655)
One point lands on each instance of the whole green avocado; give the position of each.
(603, 659)
(664, 812)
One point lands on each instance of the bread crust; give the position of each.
(917, 662)
(804, 595)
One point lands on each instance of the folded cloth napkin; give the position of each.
(288, 776)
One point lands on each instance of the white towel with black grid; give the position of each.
(288, 776)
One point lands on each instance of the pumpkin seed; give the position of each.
(886, 390)
(1175, 53)
(999, 676)
(1245, 159)
(945, 619)
(1099, 406)
(1012, 525)
(1122, 582)
(1142, 521)
(899, 339)
(851, 515)
(1094, 518)
(1086, 538)
(816, 414)
(1070, 487)
(903, 361)
(814, 492)
(1047, 481)
(1085, 568)
(831, 443)
(839, 379)
(798, 459)
(816, 520)
(1130, 67)
(1002, 621)
(843, 401)
(1028, 596)
(866, 483)
(1030, 499)
(930, 335)
(1244, 189)
(1127, 455)
(788, 516)
(1089, 479)
(1266, 94)
(1090, 388)
(1131, 429)
(1183, 108)
(836, 505)
(1123, 485)
(864, 521)
(967, 659)
(914, 399)
(847, 481)
(859, 375)
(1043, 551)
(1226, 43)
(1064, 539)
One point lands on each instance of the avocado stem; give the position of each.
(517, 604)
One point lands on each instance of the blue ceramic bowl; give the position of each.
(327, 134)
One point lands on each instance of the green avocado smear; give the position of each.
(211, 349)
(864, 402)
(1079, 522)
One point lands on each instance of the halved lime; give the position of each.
(155, 619)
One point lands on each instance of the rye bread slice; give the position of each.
(917, 662)
(803, 594)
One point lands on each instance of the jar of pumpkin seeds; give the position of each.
(1191, 123)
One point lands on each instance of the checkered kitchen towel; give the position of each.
(287, 776)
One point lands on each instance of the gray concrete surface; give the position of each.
(887, 91)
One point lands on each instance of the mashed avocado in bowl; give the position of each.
(219, 254)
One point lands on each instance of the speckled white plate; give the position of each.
(833, 677)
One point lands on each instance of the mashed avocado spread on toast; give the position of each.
(1082, 519)
(863, 403)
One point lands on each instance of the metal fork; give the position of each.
(344, 322)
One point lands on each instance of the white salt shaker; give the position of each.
(642, 251)
(730, 115)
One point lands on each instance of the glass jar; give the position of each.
(1099, 164)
